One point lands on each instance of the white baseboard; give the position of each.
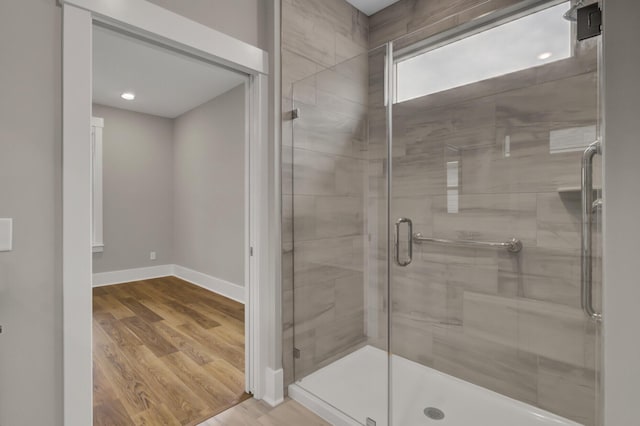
(217, 285)
(321, 408)
(274, 387)
(127, 275)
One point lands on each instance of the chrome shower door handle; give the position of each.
(409, 241)
(588, 209)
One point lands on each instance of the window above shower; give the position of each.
(520, 43)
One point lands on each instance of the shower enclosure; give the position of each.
(446, 227)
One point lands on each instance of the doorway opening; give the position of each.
(170, 228)
(151, 23)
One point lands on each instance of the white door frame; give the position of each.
(263, 367)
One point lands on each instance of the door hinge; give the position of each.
(250, 251)
(296, 353)
(589, 21)
(294, 113)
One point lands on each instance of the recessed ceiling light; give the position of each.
(544, 55)
(128, 96)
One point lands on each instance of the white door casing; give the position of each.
(143, 19)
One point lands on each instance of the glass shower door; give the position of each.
(339, 205)
(490, 125)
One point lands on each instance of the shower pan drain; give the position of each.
(434, 413)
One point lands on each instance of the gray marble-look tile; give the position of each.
(419, 174)
(559, 219)
(303, 92)
(418, 209)
(315, 306)
(419, 298)
(459, 267)
(389, 23)
(541, 274)
(287, 129)
(316, 173)
(287, 218)
(477, 9)
(347, 47)
(287, 170)
(328, 258)
(567, 390)
(350, 294)
(424, 32)
(502, 369)
(425, 12)
(287, 356)
(348, 79)
(330, 130)
(486, 217)
(325, 32)
(478, 277)
(309, 35)
(491, 318)
(295, 68)
(412, 338)
(335, 338)
(318, 217)
(554, 104)
(553, 331)
(342, 16)
(529, 168)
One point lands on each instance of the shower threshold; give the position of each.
(354, 388)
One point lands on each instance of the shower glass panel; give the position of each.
(438, 250)
(341, 237)
(479, 324)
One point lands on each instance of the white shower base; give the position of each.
(353, 388)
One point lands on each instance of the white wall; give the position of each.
(30, 192)
(621, 300)
(138, 190)
(209, 187)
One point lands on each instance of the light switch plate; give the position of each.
(6, 234)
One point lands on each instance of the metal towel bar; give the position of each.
(513, 245)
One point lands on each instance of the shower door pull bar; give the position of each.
(409, 241)
(588, 209)
(513, 245)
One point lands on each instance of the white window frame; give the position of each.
(138, 17)
(97, 242)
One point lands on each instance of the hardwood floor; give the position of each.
(165, 352)
(256, 413)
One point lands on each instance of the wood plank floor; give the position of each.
(165, 352)
(255, 413)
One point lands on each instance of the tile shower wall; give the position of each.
(510, 323)
(329, 177)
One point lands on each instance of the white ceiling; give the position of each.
(371, 6)
(165, 83)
